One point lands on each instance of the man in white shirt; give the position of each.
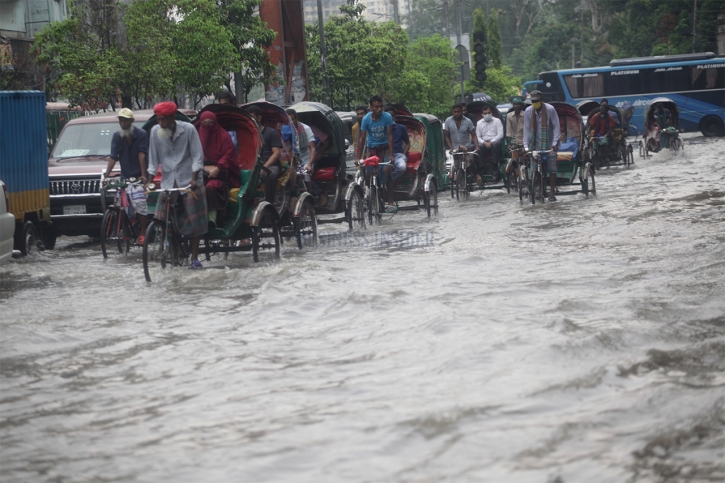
(489, 132)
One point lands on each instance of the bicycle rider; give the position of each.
(130, 146)
(541, 133)
(460, 133)
(601, 125)
(175, 147)
(376, 132)
(515, 129)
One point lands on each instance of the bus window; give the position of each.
(707, 78)
(669, 79)
(585, 85)
(626, 83)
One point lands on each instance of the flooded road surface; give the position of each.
(581, 341)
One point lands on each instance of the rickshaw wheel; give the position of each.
(268, 228)
(462, 184)
(431, 200)
(109, 232)
(511, 181)
(306, 224)
(589, 185)
(356, 211)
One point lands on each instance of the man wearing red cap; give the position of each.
(175, 146)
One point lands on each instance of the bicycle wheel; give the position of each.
(589, 185)
(265, 237)
(375, 215)
(156, 248)
(306, 226)
(511, 181)
(126, 233)
(356, 211)
(462, 183)
(537, 191)
(431, 200)
(110, 232)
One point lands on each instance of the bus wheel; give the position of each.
(712, 126)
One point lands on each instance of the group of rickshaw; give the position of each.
(581, 152)
(260, 226)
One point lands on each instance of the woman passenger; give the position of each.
(221, 170)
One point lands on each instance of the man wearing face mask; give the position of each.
(541, 133)
(489, 132)
(601, 125)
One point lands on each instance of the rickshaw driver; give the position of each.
(130, 146)
(489, 132)
(401, 146)
(175, 147)
(602, 125)
(541, 133)
(460, 133)
(307, 156)
(376, 132)
(270, 154)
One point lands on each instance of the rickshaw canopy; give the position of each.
(434, 147)
(649, 112)
(249, 138)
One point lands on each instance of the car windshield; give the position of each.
(87, 139)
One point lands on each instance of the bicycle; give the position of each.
(116, 227)
(513, 168)
(459, 174)
(373, 196)
(164, 244)
(538, 175)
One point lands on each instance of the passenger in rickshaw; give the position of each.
(663, 118)
(542, 133)
(307, 155)
(401, 146)
(221, 170)
(376, 133)
(601, 126)
(489, 132)
(360, 112)
(226, 98)
(270, 154)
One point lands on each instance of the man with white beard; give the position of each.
(129, 147)
(175, 147)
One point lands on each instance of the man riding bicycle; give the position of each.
(129, 147)
(601, 125)
(541, 133)
(376, 133)
(176, 148)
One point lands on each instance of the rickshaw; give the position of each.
(251, 223)
(620, 152)
(343, 198)
(494, 178)
(294, 204)
(572, 160)
(661, 127)
(424, 173)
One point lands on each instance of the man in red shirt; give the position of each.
(601, 125)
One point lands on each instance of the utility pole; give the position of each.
(694, 26)
(448, 27)
(323, 53)
(457, 7)
(581, 43)
(396, 17)
(573, 56)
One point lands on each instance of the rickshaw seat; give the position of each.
(244, 176)
(413, 162)
(564, 156)
(324, 174)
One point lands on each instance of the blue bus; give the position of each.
(695, 82)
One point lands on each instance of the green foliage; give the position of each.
(250, 36)
(363, 58)
(501, 84)
(169, 47)
(429, 76)
(479, 27)
(493, 41)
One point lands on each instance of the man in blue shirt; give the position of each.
(376, 133)
(401, 146)
(130, 146)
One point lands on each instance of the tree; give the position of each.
(493, 41)
(154, 48)
(363, 58)
(429, 75)
(250, 36)
(501, 84)
(479, 29)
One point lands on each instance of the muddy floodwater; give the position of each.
(580, 341)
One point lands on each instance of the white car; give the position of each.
(7, 226)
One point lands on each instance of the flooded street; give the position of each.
(580, 341)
